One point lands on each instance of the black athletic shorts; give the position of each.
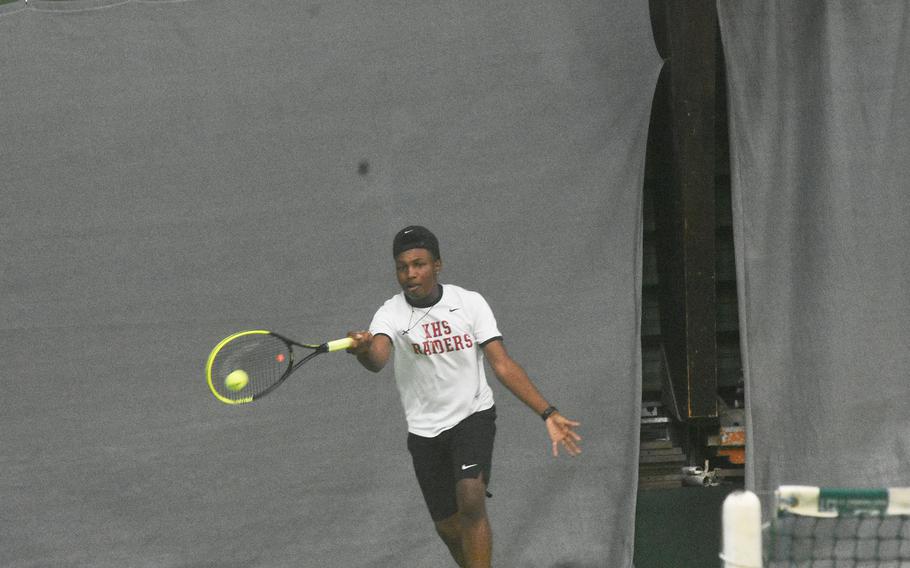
(463, 452)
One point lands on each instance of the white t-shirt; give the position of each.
(438, 357)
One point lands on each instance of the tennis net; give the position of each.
(817, 527)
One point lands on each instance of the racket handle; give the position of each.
(339, 344)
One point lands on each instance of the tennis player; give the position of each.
(438, 336)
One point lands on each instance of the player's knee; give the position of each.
(449, 530)
(471, 500)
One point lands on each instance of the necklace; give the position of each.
(410, 327)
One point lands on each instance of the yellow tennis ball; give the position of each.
(236, 380)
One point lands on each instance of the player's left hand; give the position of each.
(561, 431)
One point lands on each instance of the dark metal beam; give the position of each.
(684, 203)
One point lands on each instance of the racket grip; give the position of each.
(339, 344)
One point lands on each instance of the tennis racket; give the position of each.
(248, 365)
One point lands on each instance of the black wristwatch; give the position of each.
(548, 412)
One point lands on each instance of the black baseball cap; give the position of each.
(415, 236)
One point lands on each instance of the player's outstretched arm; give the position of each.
(560, 429)
(372, 351)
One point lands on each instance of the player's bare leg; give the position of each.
(476, 535)
(449, 531)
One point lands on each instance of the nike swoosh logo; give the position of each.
(464, 467)
(452, 310)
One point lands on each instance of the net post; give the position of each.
(742, 531)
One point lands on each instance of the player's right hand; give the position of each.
(362, 341)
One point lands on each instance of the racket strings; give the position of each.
(264, 358)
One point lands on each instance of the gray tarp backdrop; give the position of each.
(175, 171)
(819, 99)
